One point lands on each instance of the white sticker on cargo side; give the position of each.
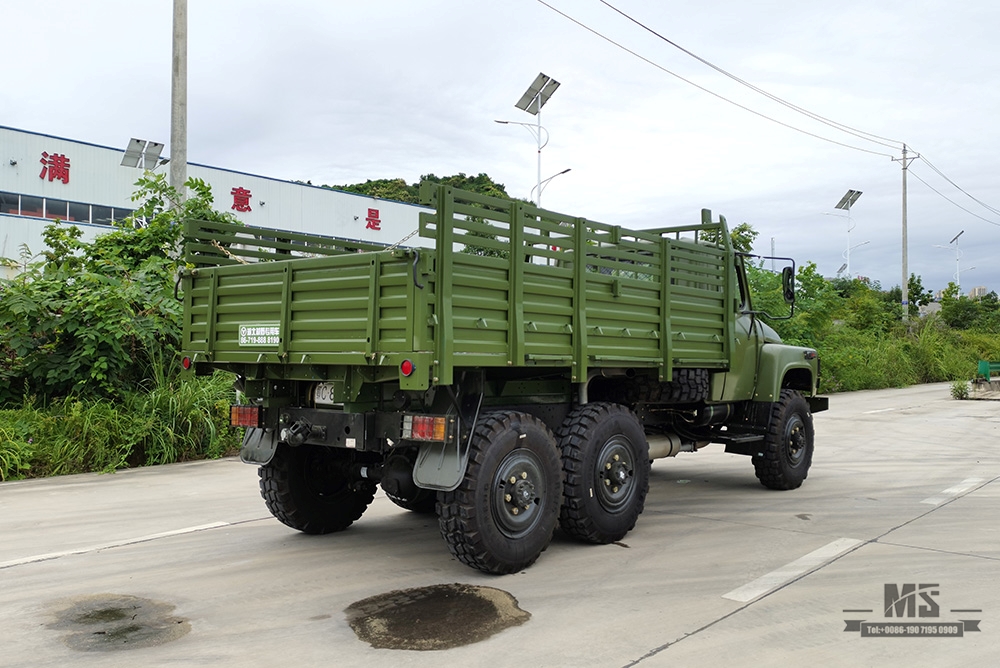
(260, 334)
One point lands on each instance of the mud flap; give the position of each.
(258, 446)
(441, 466)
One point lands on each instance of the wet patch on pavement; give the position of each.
(434, 618)
(111, 622)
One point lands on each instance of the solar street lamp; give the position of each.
(845, 204)
(958, 259)
(538, 93)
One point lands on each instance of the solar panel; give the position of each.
(538, 93)
(133, 153)
(848, 200)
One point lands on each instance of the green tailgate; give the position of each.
(330, 310)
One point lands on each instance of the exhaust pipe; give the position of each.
(669, 445)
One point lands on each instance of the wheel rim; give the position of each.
(615, 473)
(795, 440)
(518, 489)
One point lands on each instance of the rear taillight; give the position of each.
(406, 368)
(186, 363)
(246, 416)
(425, 428)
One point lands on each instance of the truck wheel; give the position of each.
(505, 510)
(309, 488)
(687, 386)
(605, 472)
(786, 454)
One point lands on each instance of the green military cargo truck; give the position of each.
(517, 373)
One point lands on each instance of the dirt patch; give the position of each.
(111, 622)
(435, 617)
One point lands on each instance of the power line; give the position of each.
(867, 136)
(914, 175)
(705, 90)
(967, 194)
(861, 134)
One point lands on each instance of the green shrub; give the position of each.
(180, 420)
(960, 389)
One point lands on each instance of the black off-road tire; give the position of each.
(424, 502)
(785, 456)
(605, 472)
(308, 488)
(686, 386)
(503, 514)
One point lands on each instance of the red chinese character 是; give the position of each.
(56, 166)
(373, 221)
(241, 199)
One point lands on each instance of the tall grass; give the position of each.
(14, 454)
(927, 352)
(175, 420)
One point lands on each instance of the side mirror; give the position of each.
(788, 284)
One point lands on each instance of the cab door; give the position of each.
(742, 376)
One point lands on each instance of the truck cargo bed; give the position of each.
(505, 284)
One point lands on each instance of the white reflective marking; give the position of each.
(775, 579)
(105, 546)
(952, 492)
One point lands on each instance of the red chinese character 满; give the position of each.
(56, 166)
(241, 199)
(373, 221)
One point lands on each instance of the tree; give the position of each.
(958, 311)
(397, 189)
(742, 237)
(394, 189)
(98, 318)
(916, 295)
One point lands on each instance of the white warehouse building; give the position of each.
(44, 178)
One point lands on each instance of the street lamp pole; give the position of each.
(958, 259)
(538, 93)
(845, 204)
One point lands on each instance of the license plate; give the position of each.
(323, 394)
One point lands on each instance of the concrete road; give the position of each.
(903, 491)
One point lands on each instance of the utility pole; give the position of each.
(178, 101)
(905, 162)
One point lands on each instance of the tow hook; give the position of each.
(297, 433)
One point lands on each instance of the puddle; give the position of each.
(111, 622)
(435, 617)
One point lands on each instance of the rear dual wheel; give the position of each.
(605, 472)
(502, 515)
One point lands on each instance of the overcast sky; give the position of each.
(341, 91)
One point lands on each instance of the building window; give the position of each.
(9, 203)
(122, 214)
(102, 215)
(56, 208)
(32, 206)
(79, 213)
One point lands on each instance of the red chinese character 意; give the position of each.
(241, 199)
(56, 166)
(373, 221)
